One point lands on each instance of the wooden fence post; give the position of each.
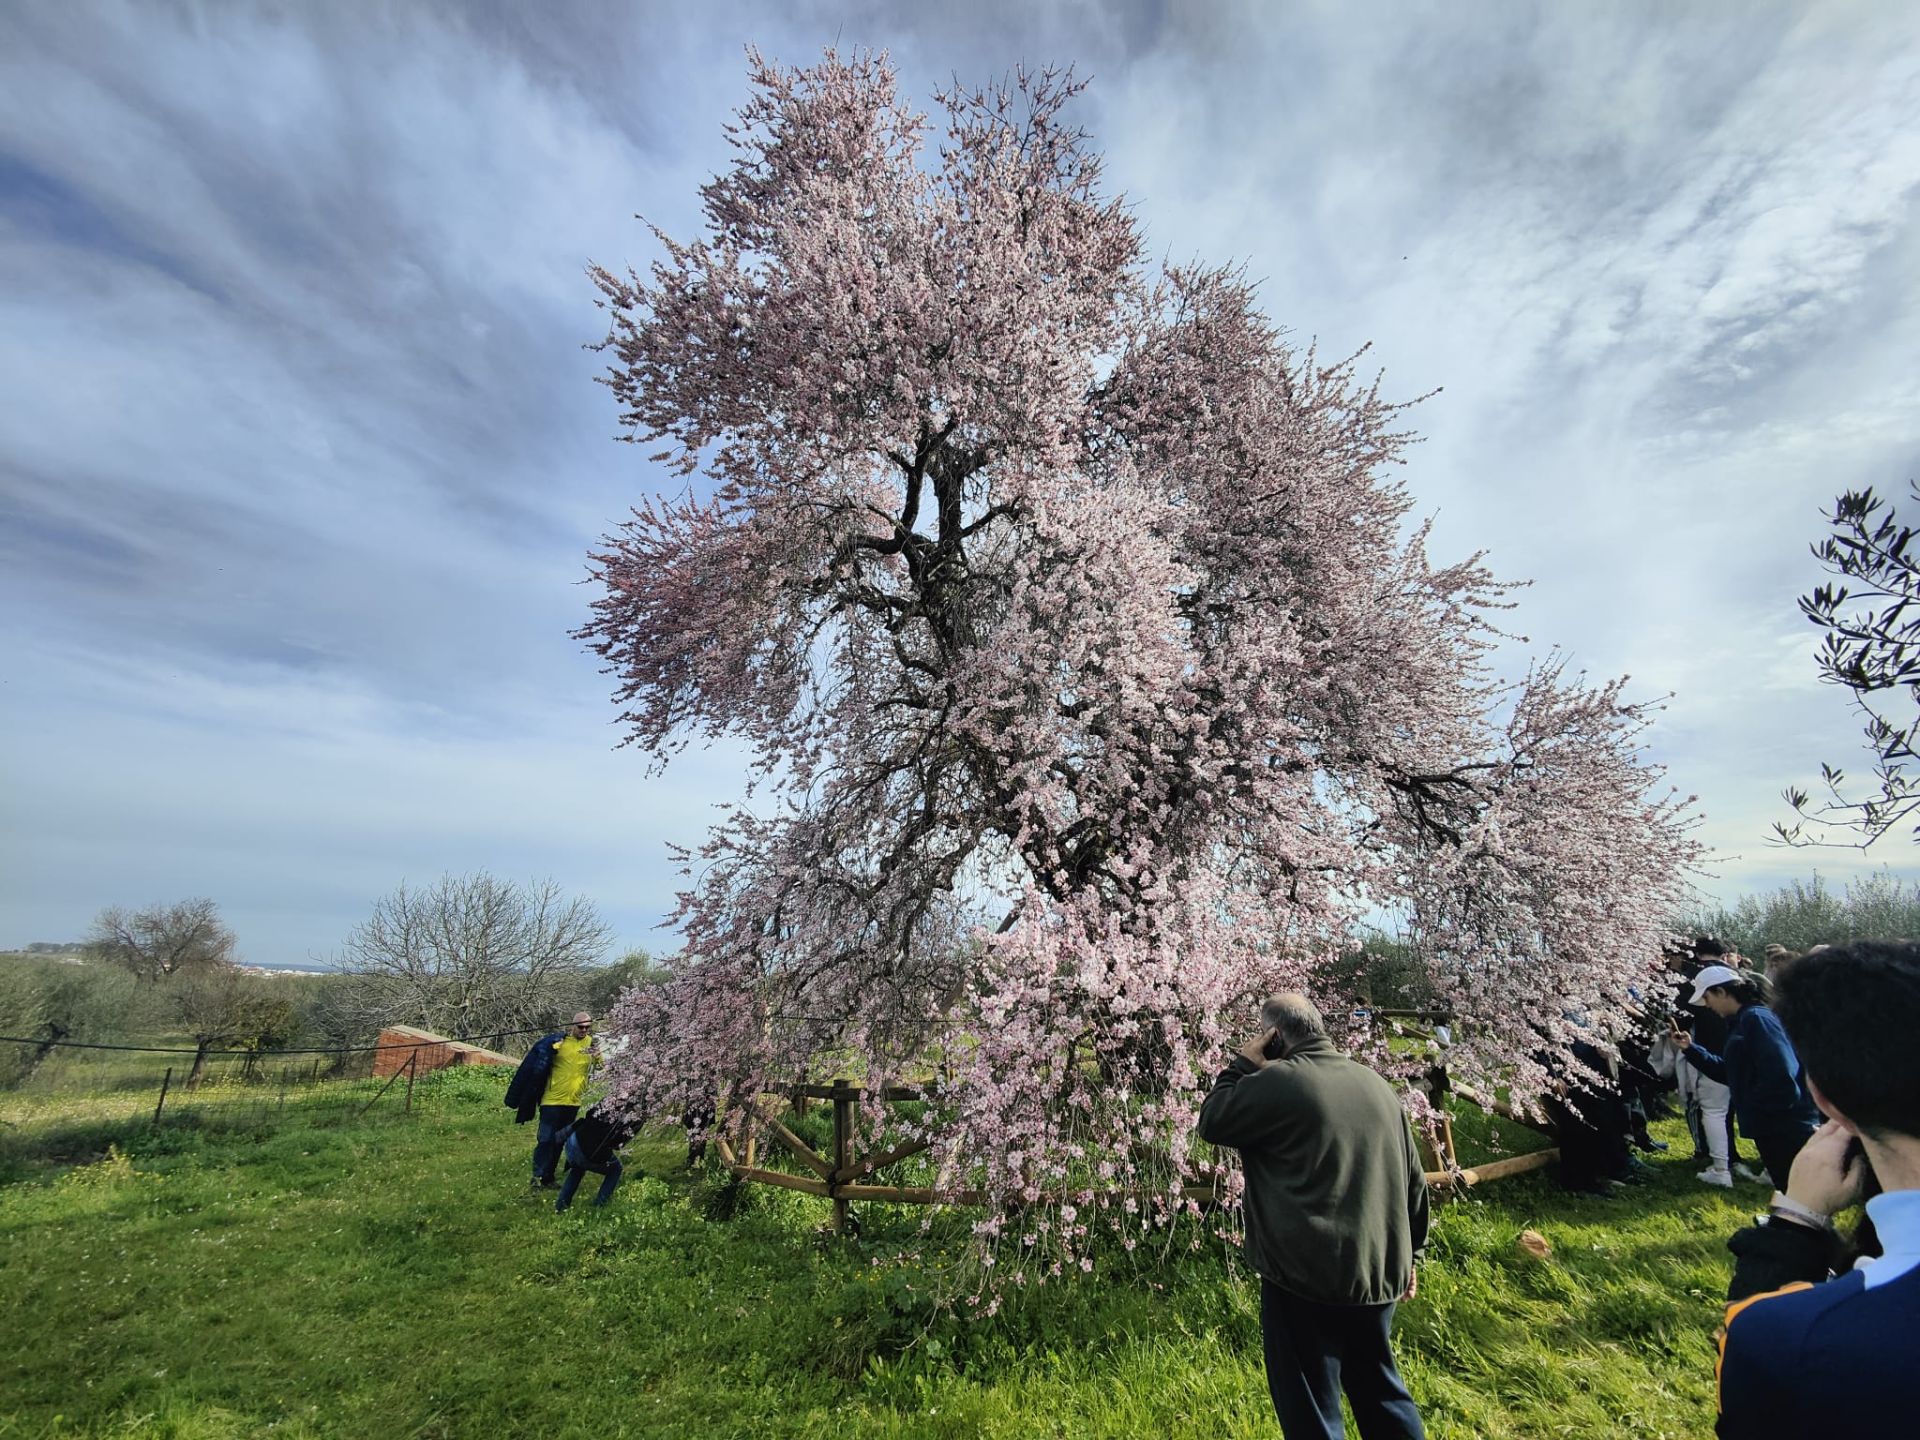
(412, 1061)
(165, 1081)
(842, 1138)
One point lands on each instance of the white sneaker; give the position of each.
(1745, 1172)
(1722, 1178)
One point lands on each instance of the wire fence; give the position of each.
(59, 1093)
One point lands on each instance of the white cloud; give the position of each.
(301, 455)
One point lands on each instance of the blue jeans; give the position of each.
(1315, 1351)
(546, 1144)
(577, 1166)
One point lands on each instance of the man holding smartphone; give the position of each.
(1336, 1215)
(1807, 1354)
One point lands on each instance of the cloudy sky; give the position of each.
(301, 455)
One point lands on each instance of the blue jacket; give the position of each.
(1818, 1362)
(529, 1082)
(1761, 1070)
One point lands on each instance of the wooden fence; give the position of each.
(844, 1177)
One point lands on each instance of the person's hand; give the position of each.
(1413, 1285)
(1255, 1050)
(1828, 1174)
(1680, 1038)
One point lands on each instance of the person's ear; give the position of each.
(1827, 1109)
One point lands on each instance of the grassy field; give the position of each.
(395, 1278)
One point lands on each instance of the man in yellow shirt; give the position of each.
(575, 1056)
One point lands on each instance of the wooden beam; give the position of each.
(1514, 1165)
(829, 1092)
(794, 1143)
(882, 1160)
(1504, 1111)
(726, 1150)
(910, 1194)
(782, 1179)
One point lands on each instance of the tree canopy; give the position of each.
(1095, 670)
(157, 941)
(468, 955)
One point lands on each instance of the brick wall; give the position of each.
(399, 1043)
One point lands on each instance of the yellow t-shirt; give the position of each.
(567, 1081)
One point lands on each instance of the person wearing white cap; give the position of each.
(1759, 1067)
(1709, 1107)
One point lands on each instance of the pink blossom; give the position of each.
(1096, 675)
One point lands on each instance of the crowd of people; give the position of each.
(1810, 1058)
(1708, 1040)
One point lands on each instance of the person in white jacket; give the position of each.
(1708, 1104)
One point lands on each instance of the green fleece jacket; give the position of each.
(1336, 1202)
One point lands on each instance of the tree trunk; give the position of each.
(199, 1064)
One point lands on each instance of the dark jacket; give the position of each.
(1336, 1202)
(1803, 1357)
(600, 1136)
(1761, 1070)
(529, 1082)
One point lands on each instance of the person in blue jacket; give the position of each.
(1758, 1066)
(1808, 1353)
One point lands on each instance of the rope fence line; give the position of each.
(68, 1090)
(269, 1054)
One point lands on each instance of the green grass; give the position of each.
(395, 1278)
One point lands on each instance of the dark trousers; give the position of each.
(1778, 1145)
(546, 1144)
(1592, 1130)
(1315, 1351)
(577, 1165)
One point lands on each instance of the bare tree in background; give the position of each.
(471, 955)
(162, 940)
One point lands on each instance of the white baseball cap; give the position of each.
(1708, 978)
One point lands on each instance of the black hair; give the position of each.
(1706, 945)
(1748, 989)
(1853, 1014)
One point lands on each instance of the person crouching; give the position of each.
(593, 1144)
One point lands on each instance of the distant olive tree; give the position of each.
(44, 1003)
(605, 984)
(470, 955)
(1871, 647)
(224, 1008)
(1804, 913)
(161, 940)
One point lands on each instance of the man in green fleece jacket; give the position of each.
(1336, 1216)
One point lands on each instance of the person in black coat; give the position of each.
(593, 1143)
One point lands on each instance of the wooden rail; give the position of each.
(843, 1177)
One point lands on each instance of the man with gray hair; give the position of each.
(1336, 1217)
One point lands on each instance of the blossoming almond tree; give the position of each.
(1093, 682)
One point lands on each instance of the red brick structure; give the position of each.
(399, 1043)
